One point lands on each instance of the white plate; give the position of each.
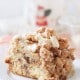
(4, 75)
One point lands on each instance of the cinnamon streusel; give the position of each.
(41, 56)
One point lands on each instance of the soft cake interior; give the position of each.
(41, 56)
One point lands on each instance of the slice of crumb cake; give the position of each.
(41, 56)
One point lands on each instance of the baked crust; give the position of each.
(41, 56)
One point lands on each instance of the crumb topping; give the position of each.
(42, 56)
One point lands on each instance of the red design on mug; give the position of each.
(41, 18)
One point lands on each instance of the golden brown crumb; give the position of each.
(7, 60)
(41, 30)
(63, 43)
(32, 38)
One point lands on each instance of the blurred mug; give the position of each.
(43, 12)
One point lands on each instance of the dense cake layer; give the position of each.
(41, 56)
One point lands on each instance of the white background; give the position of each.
(11, 8)
(13, 13)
